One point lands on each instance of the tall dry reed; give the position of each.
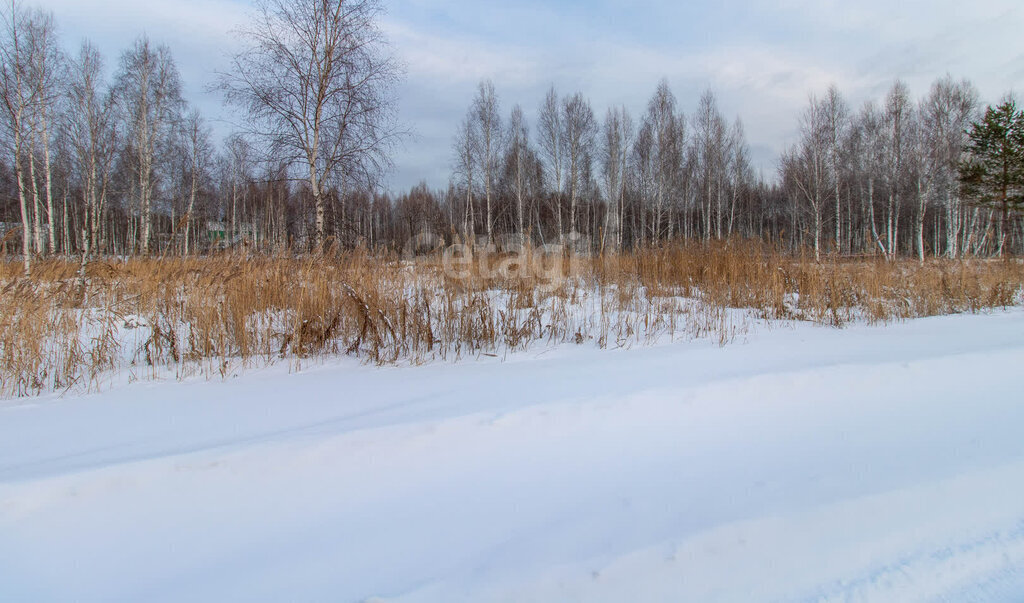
(73, 327)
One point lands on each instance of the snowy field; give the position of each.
(800, 464)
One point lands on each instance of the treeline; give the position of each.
(124, 165)
(889, 179)
(894, 177)
(617, 181)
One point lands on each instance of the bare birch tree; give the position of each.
(946, 114)
(198, 150)
(710, 140)
(741, 176)
(617, 137)
(489, 144)
(91, 129)
(805, 167)
(836, 116)
(643, 161)
(669, 138)
(552, 147)
(465, 162)
(872, 124)
(48, 63)
(578, 133)
(898, 116)
(149, 91)
(316, 79)
(519, 150)
(19, 97)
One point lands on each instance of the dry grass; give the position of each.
(75, 328)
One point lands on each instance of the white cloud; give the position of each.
(442, 59)
(196, 19)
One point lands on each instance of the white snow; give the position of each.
(805, 464)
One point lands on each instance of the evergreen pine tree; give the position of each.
(993, 174)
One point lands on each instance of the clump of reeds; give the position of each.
(73, 326)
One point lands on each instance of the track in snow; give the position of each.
(874, 464)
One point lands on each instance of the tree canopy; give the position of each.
(993, 172)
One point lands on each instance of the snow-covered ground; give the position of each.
(806, 463)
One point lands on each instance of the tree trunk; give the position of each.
(37, 210)
(919, 226)
(20, 177)
(49, 182)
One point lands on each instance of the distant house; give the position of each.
(217, 233)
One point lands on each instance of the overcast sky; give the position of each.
(761, 57)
